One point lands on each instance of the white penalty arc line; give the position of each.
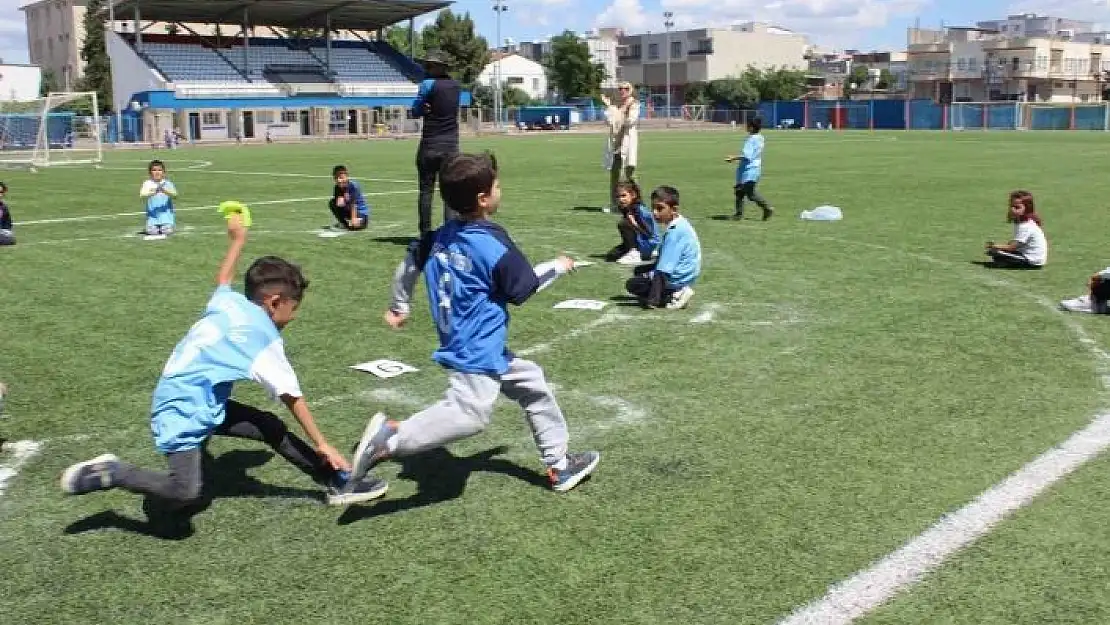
(870, 588)
(22, 452)
(63, 220)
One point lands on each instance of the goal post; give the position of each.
(58, 129)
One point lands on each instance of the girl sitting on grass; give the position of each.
(1029, 248)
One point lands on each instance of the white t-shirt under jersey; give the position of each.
(1031, 241)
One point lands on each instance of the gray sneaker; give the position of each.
(86, 477)
(372, 447)
(579, 467)
(350, 492)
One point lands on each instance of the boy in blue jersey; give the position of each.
(7, 231)
(669, 281)
(750, 170)
(159, 195)
(238, 338)
(473, 271)
(347, 204)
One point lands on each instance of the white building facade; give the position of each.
(518, 72)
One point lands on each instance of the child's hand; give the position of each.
(990, 244)
(565, 264)
(395, 319)
(341, 201)
(334, 459)
(235, 229)
(356, 222)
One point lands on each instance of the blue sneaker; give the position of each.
(579, 467)
(372, 447)
(95, 474)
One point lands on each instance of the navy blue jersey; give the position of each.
(5, 216)
(437, 101)
(473, 271)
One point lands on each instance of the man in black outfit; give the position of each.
(437, 102)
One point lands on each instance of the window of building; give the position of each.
(636, 51)
(211, 118)
(653, 50)
(676, 48)
(289, 117)
(515, 80)
(535, 84)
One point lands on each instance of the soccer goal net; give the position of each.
(985, 116)
(59, 129)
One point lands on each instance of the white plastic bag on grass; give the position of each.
(823, 213)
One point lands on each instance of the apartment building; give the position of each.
(55, 32)
(602, 44)
(977, 64)
(707, 54)
(1033, 25)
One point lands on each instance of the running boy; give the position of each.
(749, 171)
(669, 281)
(347, 204)
(159, 194)
(7, 233)
(472, 271)
(238, 338)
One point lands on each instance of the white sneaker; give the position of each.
(681, 298)
(1081, 304)
(630, 258)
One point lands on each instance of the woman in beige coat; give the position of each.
(622, 149)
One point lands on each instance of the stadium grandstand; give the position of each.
(343, 79)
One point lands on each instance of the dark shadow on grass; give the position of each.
(441, 476)
(224, 477)
(989, 264)
(589, 209)
(402, 241)
(723, 218)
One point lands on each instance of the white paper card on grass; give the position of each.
(581, 304)
(385, 368)
(329, 234)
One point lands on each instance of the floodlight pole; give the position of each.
(668, 23)
(499, 7)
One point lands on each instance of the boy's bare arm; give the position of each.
(237, 236)
(299, 408)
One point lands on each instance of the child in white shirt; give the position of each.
(1029, 247)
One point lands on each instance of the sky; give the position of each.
(839, 24)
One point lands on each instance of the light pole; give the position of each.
(499, 7)
(668, 24)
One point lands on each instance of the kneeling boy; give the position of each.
(668, 283)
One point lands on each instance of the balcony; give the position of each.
(701, 51)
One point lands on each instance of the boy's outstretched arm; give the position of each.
(301, 413)
(237, 236)
(404, 280)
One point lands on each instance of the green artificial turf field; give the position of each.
(832, 391)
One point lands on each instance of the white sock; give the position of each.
(561, 464)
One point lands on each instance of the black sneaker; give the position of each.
(768, 212)
(579, 466)
(738, 216)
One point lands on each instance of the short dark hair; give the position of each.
(271, 274)
(464, 177)
(155, 163)
(338, 169)
(755, 124)
(666, 195)
(4, 187)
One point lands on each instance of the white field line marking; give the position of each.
(605, 319)
(191, 232)
(62, 220)
(196, 164)
(384, 395)
(870, 588)
(708, 314)
(22, 452)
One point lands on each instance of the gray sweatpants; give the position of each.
(466, 408)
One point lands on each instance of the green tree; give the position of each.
(49, 83)
(455, 36)
(886, 80)
(172, 29)
(697, 93)
(398, 38)
(98, 71)
(512, 96)
(570, 69)
(858, 77)
(737, 93)
(297, 34)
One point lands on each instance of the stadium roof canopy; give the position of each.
(345, 14)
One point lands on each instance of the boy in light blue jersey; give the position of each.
(159, 195)
(348, 204)
(749, 171)
(473, 271)
(237, 338)
(669, 281)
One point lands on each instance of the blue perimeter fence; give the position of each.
(929, 115)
